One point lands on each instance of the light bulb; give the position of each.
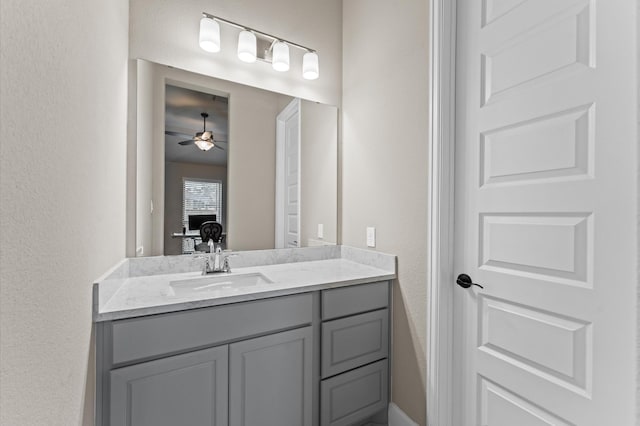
(247, 46)
(280, 56)
(204, 145)
(209, 35)
(310, 66)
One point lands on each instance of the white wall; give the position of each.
(63, 97)
(166, 32)
(384, 173)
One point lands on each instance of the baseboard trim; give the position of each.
(397, 417)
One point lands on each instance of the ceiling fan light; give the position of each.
(280, 56)
(247, 46)
(204, 145)
(209, 35)
(310, 66)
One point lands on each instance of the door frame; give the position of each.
(440, 215)
(281, 119)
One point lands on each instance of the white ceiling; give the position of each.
(182, 114)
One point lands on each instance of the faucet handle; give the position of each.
(205, 266)
(225, 263)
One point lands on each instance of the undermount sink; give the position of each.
(216, 283)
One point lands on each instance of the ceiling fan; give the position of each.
(203, 140)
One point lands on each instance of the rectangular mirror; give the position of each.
(262, 165)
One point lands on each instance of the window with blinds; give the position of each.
(200, 197)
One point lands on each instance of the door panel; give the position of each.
(551, 147)
(546, 192)
(562, 345)
(499, 407)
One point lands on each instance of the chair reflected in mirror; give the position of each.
(209, 231)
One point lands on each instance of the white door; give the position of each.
(546, 171)
(288, 176)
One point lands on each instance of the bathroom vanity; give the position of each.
(292, 337)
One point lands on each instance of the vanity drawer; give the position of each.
(352, 397)
(353, 341)
(340, 302)
(158, 335)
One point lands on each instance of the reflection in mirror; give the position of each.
(196, 136)
(261, 164)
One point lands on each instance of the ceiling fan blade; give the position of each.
(219, 147)
(183, 135)
(189, 142)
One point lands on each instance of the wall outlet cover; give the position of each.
(320, 230)
(371, 236)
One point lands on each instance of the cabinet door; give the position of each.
(185, 390)
(270, 380)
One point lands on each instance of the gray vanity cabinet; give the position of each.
(186, 390)
(270, 380)
(318, 358)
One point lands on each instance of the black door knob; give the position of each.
(465, 281)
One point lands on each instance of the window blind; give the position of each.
(200, 197)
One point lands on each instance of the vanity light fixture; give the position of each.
(310, 67)
(280, 61)
(209, 35)
(254, 44)
(247, 46)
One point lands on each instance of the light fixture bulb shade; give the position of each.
(209, 35)
(310, 66)
(204, 145)
(280, 56)
(247, 46)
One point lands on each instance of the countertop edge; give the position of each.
(204, 303)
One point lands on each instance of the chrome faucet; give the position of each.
(215, 262)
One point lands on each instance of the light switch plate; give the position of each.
(371, 236)
(320, 230)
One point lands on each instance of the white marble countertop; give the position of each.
(129, 290)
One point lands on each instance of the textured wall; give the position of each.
(384, 182)
(166, 32)
(63, 89)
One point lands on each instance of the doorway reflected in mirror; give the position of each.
(196, 160)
